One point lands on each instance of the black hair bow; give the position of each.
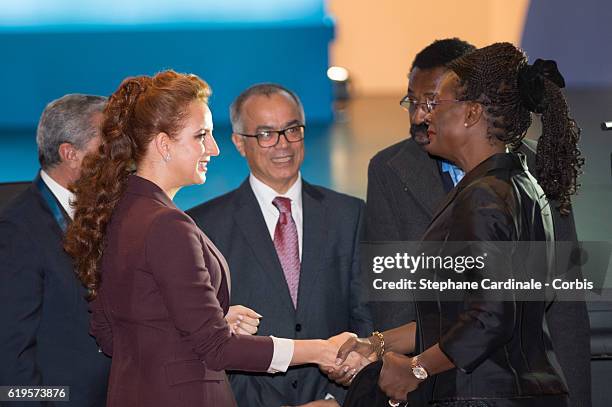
(531, 82)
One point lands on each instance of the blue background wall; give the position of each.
(56, 47)
(44, 63)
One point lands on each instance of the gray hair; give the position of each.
(68, 119)
(266, 89)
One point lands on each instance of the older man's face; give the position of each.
(423, 84)
(73, 158)
(277, 166)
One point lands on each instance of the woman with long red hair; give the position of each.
(159, 287)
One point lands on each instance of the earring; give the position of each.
(167, 158)
(464, 124)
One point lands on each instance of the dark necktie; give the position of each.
(287, 246)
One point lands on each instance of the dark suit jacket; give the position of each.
(43, 312)
(160, 308)
(501, 348)
(329, 298)
(404, 191)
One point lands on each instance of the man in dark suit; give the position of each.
(44, 339)
(292, 247)
(405, 187)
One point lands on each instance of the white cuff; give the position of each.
(283, 353)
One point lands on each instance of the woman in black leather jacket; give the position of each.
(482, 351)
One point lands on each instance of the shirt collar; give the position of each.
(446, 166)
(265, 194)
(455, 172)
(63, 195)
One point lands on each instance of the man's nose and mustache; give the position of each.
(419, 133)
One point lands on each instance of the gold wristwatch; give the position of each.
(418, 370)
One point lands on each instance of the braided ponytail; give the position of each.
(103, 179)
(558, 159)
(138, 110)
(499, 77)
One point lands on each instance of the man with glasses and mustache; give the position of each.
(405, 187)
(292, 247)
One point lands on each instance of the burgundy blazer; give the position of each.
(160, 307)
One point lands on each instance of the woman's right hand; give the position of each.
(242, 320)
(329, 351)
(353, 355)
(362, 346)
(322, 352)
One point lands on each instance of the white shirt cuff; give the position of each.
(283, 353)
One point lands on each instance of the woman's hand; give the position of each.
(345, 374)
(328, 349)
(361, 346)
(242, 320)
(319, 351)
(340, 339)
(396, 379)
(353, 355)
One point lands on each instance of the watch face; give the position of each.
(419, 372)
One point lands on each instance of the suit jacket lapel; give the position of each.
(314, 241)
(221, 260)
(51, 220)
(422, 177)
(251, 222)
(449, 198)
(50, 223)
(495, 161)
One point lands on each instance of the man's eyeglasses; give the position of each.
(427, 106)
(270, 138)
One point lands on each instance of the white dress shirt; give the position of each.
(265, 195)
(283, 348)
(62, 194)
(282, 355)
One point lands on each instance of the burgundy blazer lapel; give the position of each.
(222, 262)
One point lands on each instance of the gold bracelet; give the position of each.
(380, 347)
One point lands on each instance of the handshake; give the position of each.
(346, 356)
(340, 357)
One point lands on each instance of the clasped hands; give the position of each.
(343, 356)
(343, 365)
(352, 355)
(245, 321)
(396, 379)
